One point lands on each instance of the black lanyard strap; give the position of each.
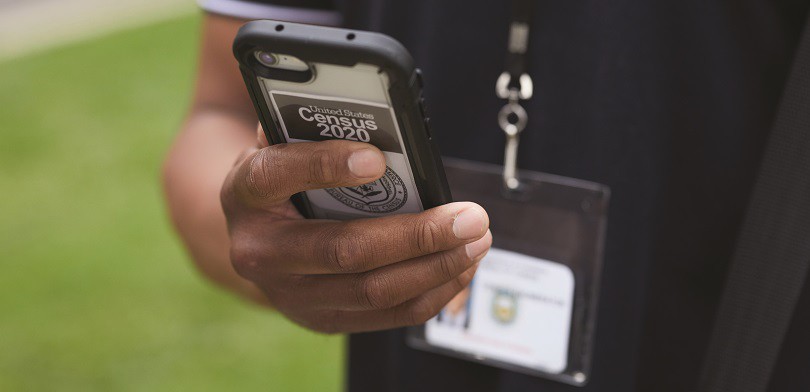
(514, 85)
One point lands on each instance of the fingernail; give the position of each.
(365, 163)
(469, 224)
(477, 249)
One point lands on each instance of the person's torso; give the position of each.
(667, 102)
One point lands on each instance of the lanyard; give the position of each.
(514, 85)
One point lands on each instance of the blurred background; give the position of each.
(96, 292)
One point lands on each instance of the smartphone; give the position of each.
(312, 83)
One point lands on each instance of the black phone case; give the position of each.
(349, 47)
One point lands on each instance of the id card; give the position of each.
(531, 307)
(521, 313)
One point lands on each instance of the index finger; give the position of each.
(323, 247)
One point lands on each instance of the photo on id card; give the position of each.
(531, 307)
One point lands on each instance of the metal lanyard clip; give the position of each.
(512, 119)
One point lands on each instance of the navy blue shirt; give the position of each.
(668, 102)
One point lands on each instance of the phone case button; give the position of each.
(427, 128)
(419, 81)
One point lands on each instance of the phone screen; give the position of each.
(347, 103)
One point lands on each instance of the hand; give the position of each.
(349, 276)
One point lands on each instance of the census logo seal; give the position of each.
(504, 306)
(387, 194)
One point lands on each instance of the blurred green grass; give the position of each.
(96, 292)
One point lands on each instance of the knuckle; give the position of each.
(448, 265)
(243, 260)
(464, 279)
(343, 253)
(374, 292)
(323, 167)
(428, 235)
(257, 180)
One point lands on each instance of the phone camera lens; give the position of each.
(266, 58)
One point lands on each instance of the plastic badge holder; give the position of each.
(549, 234)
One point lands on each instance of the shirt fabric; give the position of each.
(669, 103)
